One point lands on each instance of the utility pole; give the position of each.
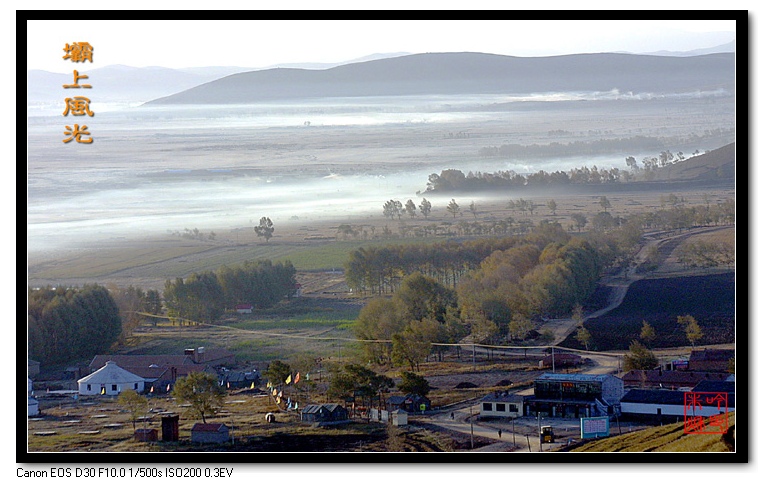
(552, 358)
(472, 431)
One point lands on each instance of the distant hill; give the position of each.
(119, 82)
(470, 73)
(329, 65)
(714, 165)
(728, 47)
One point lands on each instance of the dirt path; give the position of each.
(619, 284)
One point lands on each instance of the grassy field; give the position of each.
(666, 438)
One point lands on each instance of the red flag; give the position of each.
(297, 378)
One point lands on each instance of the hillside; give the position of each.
(667, 438)
(713, 165)
(470, 73)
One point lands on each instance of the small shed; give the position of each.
(318, 413)
(244, 308)
(170, 427)
(146, 435)
(399, 417)
(209, 433)
(411, 403)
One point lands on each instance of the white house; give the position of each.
(32, 403)
(501, 404)
(110, 380)
(666, 405)
(244, 308)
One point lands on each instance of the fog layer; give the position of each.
(154, 170)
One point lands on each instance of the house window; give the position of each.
(89, 387)
(114, 387)
(513, 408)
(501, 408)
(487, 407)
(135, 386)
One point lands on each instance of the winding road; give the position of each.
(522, 434)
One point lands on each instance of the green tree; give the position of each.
(691, 328)
(153, 303)
(71, 323)
(639, 357)
(202, 391)
(411, 208)
(424, 297)
(392, 209)
(379, 319)
(552, 205)
(579, 220)
(265, 228)
(520, 326)
(358, 381)
(277, 372)
(453, 208)
(412, 383)
(483, 330)
(425, 207)
(577, 315)
(583, 336)
(135, 404)
(414, 344)
(605, 203)
(473, 209)
(647, 333)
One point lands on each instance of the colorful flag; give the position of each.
(152, 389)
(274, 391)
(168, 388)
(252, 386)
(103, 390)
(288, 379)
(281, 394)
(297, 378)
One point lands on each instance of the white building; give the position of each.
(501, 404)
(110, 380)
(32, 403)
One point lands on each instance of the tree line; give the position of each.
(380, 270)
(494, 289)
(66, 323)
(205, 296)
(450, 180)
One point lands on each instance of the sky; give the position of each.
(261, 43)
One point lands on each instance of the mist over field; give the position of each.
(154, 169)
(158, 168)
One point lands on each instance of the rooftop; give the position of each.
(574, 377)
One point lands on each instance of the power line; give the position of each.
(378, 341)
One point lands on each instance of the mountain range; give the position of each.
(471, 73)
(400, 73)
